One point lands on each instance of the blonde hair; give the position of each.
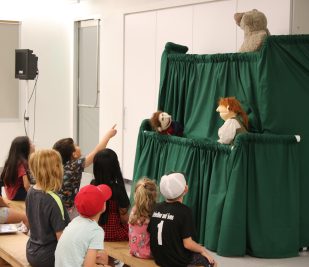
(46, 167)
(144, 200)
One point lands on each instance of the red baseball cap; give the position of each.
(90, 200)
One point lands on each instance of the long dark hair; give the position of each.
(18, 154)
(106, 170)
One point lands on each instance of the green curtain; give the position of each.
(252, 198)
(194, 83)
(261, 211)
(284, 96)
(231, 189)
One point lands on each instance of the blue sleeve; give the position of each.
(97, 240)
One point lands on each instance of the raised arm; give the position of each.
(103, 143)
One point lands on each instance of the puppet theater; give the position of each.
(252, 197)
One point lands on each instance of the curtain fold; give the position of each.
(193, 85)
(285, 95)
(261, 209)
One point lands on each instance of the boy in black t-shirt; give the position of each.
(171, 228)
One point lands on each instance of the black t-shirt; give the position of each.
(169, 225)
(45, 219)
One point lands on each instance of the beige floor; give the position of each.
(301, 261)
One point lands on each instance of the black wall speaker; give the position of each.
(26, 64)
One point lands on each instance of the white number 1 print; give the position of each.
(160, 227)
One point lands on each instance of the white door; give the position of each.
(87, 85)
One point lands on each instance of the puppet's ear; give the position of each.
(228, 108)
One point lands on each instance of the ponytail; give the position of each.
(144, 200)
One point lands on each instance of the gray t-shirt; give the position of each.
(80, 235)
(45, 219)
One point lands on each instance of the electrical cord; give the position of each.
(25, 119)
(34, 109)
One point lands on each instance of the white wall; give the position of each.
(211, 36)
(47, 29)
(300, 23)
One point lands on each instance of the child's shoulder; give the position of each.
(140, 221)
(74, 164)
(176, 205)
(172, 203)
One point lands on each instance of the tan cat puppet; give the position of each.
(254, 25)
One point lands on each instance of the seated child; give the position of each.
(15, 175)
(83, 237)
(45, 211)
(74, 164)
(10, 215)
(144, 201)
(171, 228)
(106, 170)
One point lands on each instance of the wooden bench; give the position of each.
(120, 251)
(3, 263)
(13, 250)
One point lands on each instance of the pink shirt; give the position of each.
(139, 240)
(11, 191)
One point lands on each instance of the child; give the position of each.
(10, 215)
(171, 228)
(106, 170)
(15, 175)
(73, 165)
(144, 202)
(81, 240)
(46, 214)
